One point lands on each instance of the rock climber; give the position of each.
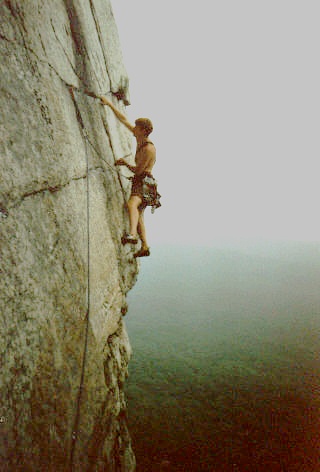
(144, 187)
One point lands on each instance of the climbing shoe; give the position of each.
(142, 253)
(129, 239)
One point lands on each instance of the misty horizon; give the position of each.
(226, 342)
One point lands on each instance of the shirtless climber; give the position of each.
(144, 187)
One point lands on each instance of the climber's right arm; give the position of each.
(117, 112)
(122, 162)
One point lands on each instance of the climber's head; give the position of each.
(144, 126)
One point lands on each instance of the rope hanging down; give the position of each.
(75, 430)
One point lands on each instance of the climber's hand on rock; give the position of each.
(120, 162)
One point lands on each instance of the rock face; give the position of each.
(64, 274)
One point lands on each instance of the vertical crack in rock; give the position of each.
(94, 16)
(64, 51)
(82, 55)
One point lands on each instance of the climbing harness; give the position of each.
(145, 186)
(150, 192)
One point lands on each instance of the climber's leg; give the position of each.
(144, 251)
(133, 207)
(142, 231)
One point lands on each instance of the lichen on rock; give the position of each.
(64, 273)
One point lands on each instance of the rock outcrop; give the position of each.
(64, 274)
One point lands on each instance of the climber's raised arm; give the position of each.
(117, 112)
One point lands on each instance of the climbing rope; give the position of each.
(75, 430)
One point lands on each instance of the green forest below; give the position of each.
(224, 374)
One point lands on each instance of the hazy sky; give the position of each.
(232, 88)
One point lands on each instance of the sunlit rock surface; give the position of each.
(64, 274)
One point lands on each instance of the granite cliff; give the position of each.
(64, 273)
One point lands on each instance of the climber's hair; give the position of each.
(146, 124)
